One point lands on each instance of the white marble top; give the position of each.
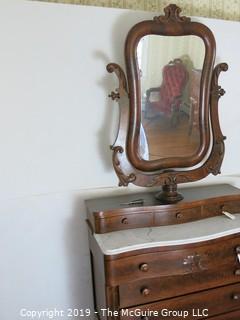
(191, 232)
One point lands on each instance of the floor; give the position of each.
(168, 138)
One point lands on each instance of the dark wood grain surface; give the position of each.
(235, 315)
(177, 261)
(216, 301)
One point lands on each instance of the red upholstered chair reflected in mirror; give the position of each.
(166, 99)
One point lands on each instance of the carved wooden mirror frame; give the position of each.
(167, 172)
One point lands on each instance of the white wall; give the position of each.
(56, 123)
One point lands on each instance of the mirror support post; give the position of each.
(169, 194)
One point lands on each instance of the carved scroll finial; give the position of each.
(217, 90)
(114, 67)
(124, 180)
(172, 14)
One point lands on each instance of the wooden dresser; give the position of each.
(152, 261)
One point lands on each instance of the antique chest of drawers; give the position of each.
(157, 269)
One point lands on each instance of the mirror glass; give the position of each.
(170, 73)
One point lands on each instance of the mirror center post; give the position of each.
(169, 194)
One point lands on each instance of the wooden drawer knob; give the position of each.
(145, 292)
(124, 221)
(144, 267)
(236, 296)
(179, 215)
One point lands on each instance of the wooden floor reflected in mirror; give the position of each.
(170, 137)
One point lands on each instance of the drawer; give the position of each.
(235, 315)
(176, 216)
(123, 222)
(193, 259)
(217, 208)
(149, 290)
(132, 220)
(142, 210)
(196, 306)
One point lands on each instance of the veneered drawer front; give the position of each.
(147, 219)
(173, 263)
(212, 302)
(154, 289)
(182, 215)
(130, 218)
(177, 216)
(123, 222)
(217, 208)
(235, 315)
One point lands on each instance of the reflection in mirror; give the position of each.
(170, 73)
